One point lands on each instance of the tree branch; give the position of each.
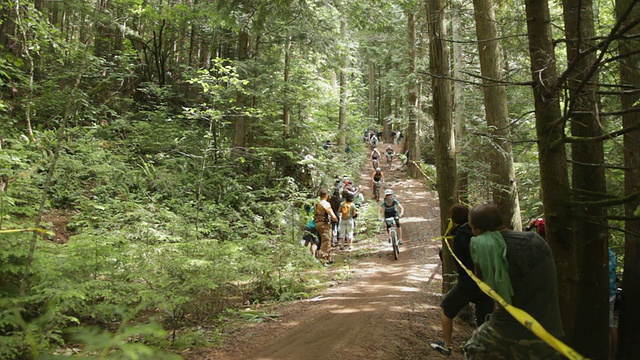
(611, 135)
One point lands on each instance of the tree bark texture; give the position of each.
(503, 175)
(552, 156)
(590, 232)
(460, 129)
(412, 133)
(629, 327)
(241, 123)
(286, 109)
(443, 125)
(372, 91)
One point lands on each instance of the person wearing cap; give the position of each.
(391, 208)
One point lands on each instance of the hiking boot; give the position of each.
(441, 348)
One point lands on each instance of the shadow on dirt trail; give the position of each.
(386, 309)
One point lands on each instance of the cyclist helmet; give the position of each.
(378, 169)
(388, 192)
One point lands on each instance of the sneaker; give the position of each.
(400, 242)
(439, 347)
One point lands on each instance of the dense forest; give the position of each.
(155, 156)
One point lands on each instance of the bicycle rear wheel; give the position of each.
(394, 244)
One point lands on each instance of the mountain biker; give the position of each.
(373, 141)
(375, 157)
(376, 179)
(389, 152)
(389, 208)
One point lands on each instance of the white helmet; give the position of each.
(378, 169)
(388, 192)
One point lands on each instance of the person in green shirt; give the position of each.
(534, 289)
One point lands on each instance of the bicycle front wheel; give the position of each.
(394, 244)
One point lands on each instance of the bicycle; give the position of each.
(393, 236)
(376, 190)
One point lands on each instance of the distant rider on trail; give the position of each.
(375, 157)
(389, 152)
(376, 181)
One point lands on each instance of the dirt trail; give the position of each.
(386, 309)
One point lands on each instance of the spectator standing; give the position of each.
(532, 278)
(358, 199)
(335, 201)
(348, 214)
(323, 215)
(310, 235)
(465, 290)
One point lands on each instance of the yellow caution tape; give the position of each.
(520, 315)
(37, 230)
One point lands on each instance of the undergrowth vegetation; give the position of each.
(156, 241)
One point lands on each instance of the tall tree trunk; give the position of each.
(240, 129)
(460, 129)
(286, 110)
(552, 157)
(101, 36)
(629, 329)
(387, 103)
(342, 111)
(503, 175)
(342, 114)
(412, 132)
(445, 145)
(590, 335)
(372, 91)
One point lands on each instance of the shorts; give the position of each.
(346, 229)
(395, 217)
(461, 295)
(310, 235)
(486, 343)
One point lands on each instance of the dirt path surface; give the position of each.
(385, 309)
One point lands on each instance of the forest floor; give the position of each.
(383, 308)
